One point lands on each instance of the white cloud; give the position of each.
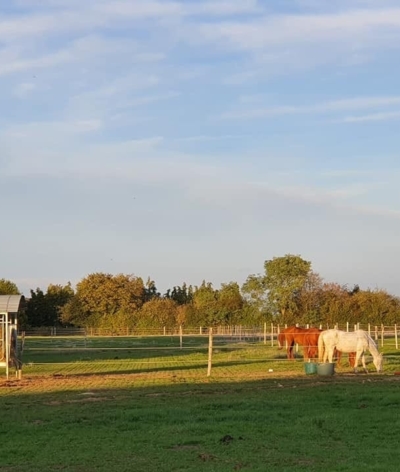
(44, 61)
(288, 29)
(331, 106)
(24, 89)
(385, 116)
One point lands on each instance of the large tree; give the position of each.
(182, 295)
(231, 303)
(255, 294)
(309, 300)
(284, 280)
(205, 302)
(104, 295)
(158, 312)
(8, 288)
(44, 309)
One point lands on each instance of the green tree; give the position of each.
(44, 309)
(181, 295)
(255, 295)
(158, 312)
(8, 288)
(150, 290)
(334, 304)
(376, 307)
(309, 300)
(103, 295)
(284, 280)
(205, 301)
(230, 303)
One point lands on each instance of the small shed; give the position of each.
(10, 307)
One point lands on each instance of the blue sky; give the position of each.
(194, 140)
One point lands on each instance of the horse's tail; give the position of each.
(321, 347)
(281, 340)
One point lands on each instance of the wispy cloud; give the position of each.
(118, 95)
(331, 106)
(286, 29)
(24, 89)
(385, 116)
(202, 138)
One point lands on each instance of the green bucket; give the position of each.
(310, 368)
(327, 368)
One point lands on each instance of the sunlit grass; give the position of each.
(143, 404)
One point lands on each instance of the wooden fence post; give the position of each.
(395, 336)
(369, 329)
(180, 336)
(210, 348)
(272, 334)
(265, 333)
(382, 335)
(376, 333)
(347, 326)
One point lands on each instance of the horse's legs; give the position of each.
(290, 354)
(338, 357)
(357, 360)
(328, 354)
(363, 362)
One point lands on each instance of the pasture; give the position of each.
(101, 404)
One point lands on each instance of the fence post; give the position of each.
(272, 334)
(164, 330)
(180, 336)
(376, 333)
(395, 336)
(369, 329)
(382, 335)
(347, 326)
(210, 347)
(265, 333)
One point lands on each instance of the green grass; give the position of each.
(155, 409)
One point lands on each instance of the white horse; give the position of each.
(357, 341)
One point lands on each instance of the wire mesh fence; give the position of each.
(268, 333)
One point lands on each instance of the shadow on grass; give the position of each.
(161, 369)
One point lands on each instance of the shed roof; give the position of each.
(10, 303)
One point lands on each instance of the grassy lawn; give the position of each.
(112, 406)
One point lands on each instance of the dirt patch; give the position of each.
(92, 383)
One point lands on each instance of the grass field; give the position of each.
(142, 404)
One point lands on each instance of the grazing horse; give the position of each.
(305, 337)
(282, 337)
(358, 341)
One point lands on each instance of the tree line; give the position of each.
(287, 292)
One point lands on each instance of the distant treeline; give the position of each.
(287, 292)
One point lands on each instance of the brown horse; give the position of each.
(308, 339)
(352, 357)
(305, 337)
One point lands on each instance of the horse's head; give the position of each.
(378, 362)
